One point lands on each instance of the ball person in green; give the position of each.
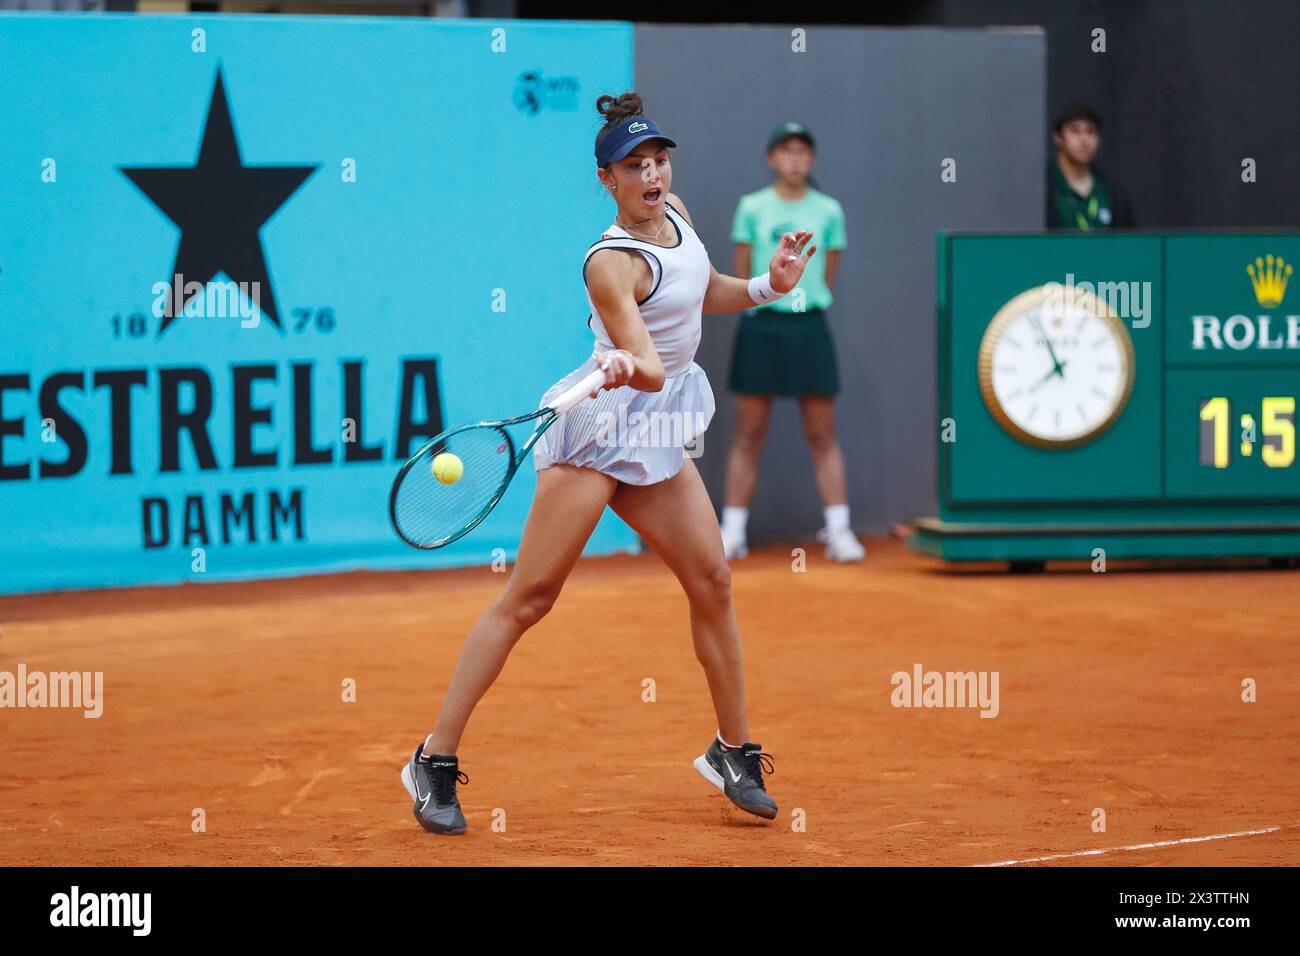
(1079, 195)
(784, 348)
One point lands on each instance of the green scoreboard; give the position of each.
(1134, 393)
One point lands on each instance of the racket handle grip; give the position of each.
(576, 393)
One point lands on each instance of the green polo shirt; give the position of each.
(762, 217)
(1084, 213)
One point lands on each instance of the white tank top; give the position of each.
(674, 308)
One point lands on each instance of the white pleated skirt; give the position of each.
(636, 437)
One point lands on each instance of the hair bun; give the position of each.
(615, 109)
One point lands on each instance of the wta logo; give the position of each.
(534, 92)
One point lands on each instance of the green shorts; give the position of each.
(783, 353)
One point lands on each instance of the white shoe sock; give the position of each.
(727, 745)
(734, 519)
(837, 517)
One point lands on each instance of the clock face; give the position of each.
(1055, 367)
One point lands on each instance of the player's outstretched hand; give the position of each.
(789, 260)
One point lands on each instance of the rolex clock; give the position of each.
(1056, 367)
(1150, 410)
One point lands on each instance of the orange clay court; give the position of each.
(1120, 691)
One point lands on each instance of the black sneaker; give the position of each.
(739, 774)
(431, 782)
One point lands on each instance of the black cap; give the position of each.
(785, 130)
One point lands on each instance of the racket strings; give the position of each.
(427, 511)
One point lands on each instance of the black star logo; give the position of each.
(220, 206)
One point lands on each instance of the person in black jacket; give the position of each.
(1079, 196)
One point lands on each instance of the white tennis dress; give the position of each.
(641, 437)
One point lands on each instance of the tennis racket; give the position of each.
(428, 513)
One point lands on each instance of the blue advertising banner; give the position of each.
(248, 264)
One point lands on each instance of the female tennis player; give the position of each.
(785, 348)
(648, 282)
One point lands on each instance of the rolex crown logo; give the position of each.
(1269, 277)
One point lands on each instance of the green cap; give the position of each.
(786, 130)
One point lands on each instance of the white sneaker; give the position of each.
(841, 545)
(733, 545)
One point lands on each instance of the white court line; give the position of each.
(1136, 846)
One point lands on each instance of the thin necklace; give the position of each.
(657, 231)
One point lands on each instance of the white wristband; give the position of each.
(761, 291)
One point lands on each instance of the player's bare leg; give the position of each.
(566, 507)
(676, 518)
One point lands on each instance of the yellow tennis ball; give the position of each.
(447, 468)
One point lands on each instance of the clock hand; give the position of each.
(1033, 388)
(1057, 369)
(1048, 342)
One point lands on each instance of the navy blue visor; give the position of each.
(627, 136)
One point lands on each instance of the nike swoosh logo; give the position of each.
(735, 777)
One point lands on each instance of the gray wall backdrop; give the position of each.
(1186, 91)
(886, 106)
